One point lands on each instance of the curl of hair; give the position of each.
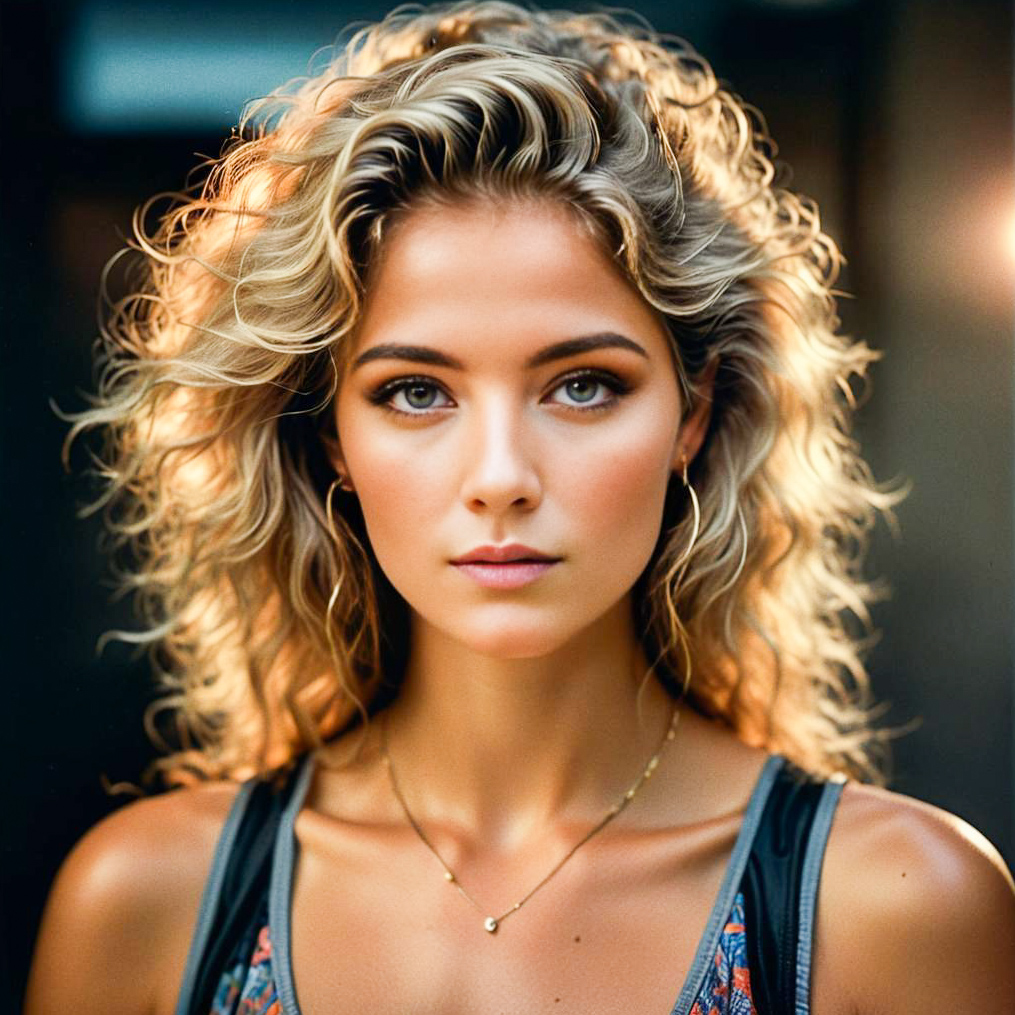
(268, 621)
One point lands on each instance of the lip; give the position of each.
(504, 567)
(509, 553)
(509, 575)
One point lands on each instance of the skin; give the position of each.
(521, 720)
(509, 454)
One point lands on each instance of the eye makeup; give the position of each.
(617, 387)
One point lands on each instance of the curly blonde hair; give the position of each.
(267, 619)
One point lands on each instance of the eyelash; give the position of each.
(382, 395)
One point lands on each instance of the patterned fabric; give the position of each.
(727, 986)
(248, 986)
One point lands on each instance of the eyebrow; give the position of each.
(559, 350)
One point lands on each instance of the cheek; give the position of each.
(398, 490)
(621, 498)
(603, 490)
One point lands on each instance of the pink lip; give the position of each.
(503, 554)
(507, 575)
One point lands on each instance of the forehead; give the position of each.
(482, 275)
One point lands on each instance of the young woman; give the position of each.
(480, 435)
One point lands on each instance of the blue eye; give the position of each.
(582, 388)
(420, 396)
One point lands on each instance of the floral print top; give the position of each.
(248, 985)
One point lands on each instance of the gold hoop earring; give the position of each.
(327, 508)
(676, 576)
(341, 480)
(696, 506)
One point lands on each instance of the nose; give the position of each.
(500, 458)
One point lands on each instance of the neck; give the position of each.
(503, 748)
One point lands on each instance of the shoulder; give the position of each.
(916, 911)
(126, 899)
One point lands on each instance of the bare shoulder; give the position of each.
(119, 917)
(916, 911)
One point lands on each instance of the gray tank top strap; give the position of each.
(280, 891)
(212, 891)
(810, 877)
(730, 884)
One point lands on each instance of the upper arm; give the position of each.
(916, 912)
(118, 920)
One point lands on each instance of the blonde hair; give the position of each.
(268, 621)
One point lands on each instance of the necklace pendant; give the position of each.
(490, 924)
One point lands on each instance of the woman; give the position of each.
(480, 438)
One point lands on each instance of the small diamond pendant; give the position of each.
(490, 924)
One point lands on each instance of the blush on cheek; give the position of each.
(623, 507)
(400, 499)
(633, 474)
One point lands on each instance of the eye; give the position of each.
(586, 390)
(591, 389)
(410, 396)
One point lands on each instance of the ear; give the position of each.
(333, 450)
(695, 426)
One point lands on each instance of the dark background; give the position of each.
(896, 116)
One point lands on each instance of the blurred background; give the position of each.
(895, 115)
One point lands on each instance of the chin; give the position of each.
(505, 637)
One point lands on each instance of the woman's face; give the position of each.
(508, 386)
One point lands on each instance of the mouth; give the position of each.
(508, 563)
(511, 554)
(508, 574)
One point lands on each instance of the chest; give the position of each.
(615, 930)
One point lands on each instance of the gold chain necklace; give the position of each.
(491, 923)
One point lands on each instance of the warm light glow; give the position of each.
(1009, 239)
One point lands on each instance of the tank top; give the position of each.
(753, 958)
